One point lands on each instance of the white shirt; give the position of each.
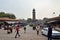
(38, 28)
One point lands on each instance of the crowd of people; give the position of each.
(17, 27)
(10, 28)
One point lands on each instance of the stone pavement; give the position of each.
(29, 35)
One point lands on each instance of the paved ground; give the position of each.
(29, 35)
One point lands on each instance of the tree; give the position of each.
(29, 20)
(12, 16)
(7, 15)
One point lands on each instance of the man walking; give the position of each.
(37, 29)
(11, 29)
(24, 29)
(49, 32)
(17, 31)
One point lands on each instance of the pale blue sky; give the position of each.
(23, 8)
